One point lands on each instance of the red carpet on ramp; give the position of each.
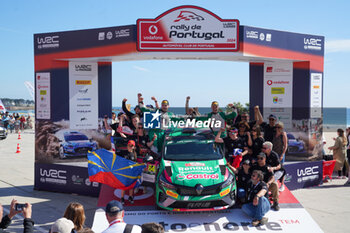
(107, 194)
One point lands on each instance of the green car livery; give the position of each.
(192, 173)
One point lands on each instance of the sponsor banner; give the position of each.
(302, 175)
(43, 96)
(83, 39)
(83, 95)
(65, 179)
(187, 28)
(304, 43)
(316, 95)
(278, 91)
(232, 220)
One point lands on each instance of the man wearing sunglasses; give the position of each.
(258, 119)
(273, 163)
(258, 204)
(231, 142)
(269, 128)
(216, 115)
(269, 178)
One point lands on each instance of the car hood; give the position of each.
(293, 142)
(197, 172)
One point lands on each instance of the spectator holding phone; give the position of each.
(15, 208)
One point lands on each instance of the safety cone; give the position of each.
(18, 149)
(19, 135)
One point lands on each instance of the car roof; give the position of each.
(73, 133)
(189, 135)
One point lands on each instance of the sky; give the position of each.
(204, 81)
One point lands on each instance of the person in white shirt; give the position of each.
(115, 215)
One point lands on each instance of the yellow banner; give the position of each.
(82, 82)
(277, 90)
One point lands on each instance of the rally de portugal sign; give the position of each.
(188, 28)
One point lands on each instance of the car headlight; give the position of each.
(163, 182)
(230, 180)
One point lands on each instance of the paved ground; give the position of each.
(329, 204)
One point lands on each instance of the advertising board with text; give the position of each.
(316, 95)
(43, 98)
(278, 91)
(232, 220)
(187, 28)
(83, 95)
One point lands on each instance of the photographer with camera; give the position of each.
(16, 208)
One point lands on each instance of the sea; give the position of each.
(332, 117)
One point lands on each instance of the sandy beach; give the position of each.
(17, 179)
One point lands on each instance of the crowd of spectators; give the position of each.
(249, 146)
(73, 220)
(15, 122)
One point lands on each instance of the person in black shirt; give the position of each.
(130, 155)
(245, 118)
(137, 110)
(244, 134)
(257, 142)
(143, 144)
(269, 128)
(258, 204)
(273, 162)
(268, 179)
(231, 142)
(243, 179)
(28, 223)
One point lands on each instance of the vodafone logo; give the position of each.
(38, 77)
(269, 82)
(153, 29)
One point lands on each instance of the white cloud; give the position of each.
(141, 69)
(334, 46)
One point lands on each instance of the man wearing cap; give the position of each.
(269, 179)
(115, 215)
(130, 155)
(231, 142)
(215, 116)
(269, 128)
(243, 179)
(62, 225)
(137, 110)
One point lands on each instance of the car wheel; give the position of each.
(61, 153)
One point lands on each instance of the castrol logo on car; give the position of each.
(197, 176)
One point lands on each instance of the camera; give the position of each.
(19, 207)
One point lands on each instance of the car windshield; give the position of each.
(290, 136)
(75, 137)
(194, 151)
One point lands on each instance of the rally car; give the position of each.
(192, 173)
(3, 133)
(75, 144)
(295, 146)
